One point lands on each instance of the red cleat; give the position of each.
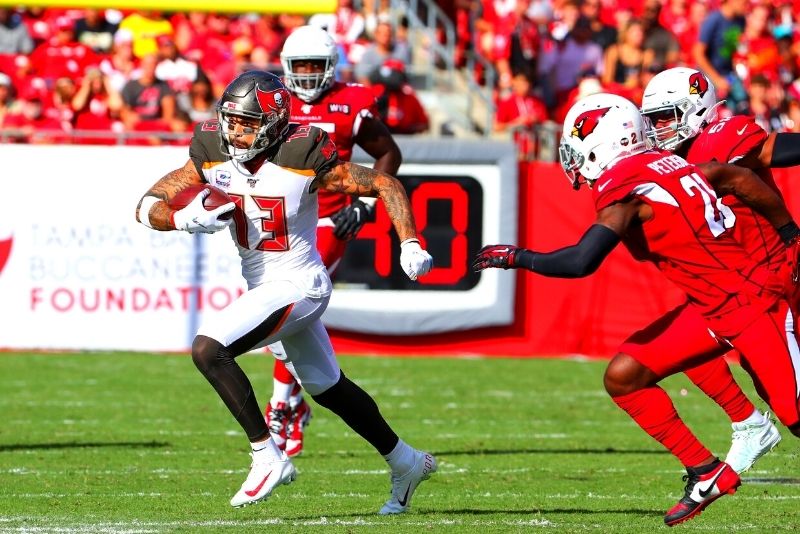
(702, 490)
(277, 418)
(298, 421)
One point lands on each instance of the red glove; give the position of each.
(496, 256)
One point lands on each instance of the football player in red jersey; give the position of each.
(665, 211)
(681, 105)
(273, 170)
(347, 112)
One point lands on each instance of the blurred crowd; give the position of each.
(551, 53)
(144, 71)
(152, 76)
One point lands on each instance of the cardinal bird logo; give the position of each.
(586, 122)
(272, 100)
(698, 85)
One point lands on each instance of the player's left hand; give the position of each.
(495, 256)
(414, 260)
(349, 220)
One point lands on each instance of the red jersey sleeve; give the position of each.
(727, 140)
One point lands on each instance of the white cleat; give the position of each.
(751, 442)
(403, 486)
(263, 478)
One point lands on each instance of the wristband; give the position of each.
(789, 232)
(369, 201)
(144, 209)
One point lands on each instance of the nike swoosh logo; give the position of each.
(704, 493)
(254, 492)
(740, 132)
(603, 185)
(404, 500)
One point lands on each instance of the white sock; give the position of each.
(756, 418)
(401, 459)
(266, 450)
(295, 400)
(280, 392)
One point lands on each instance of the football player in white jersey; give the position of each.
(348, 113)
(273, 170)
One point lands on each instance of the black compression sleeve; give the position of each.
(786, 150)
(577, 261)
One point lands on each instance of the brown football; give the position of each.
(215, 199)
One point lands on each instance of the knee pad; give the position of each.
(205, 352)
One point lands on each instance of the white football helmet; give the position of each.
(315, 44)
(598, 130)
(678, 103)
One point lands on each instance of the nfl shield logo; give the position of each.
(223, 178)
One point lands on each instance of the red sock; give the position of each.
(652, 410)
(715, 379)
(281, 373)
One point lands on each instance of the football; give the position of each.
(215, 199)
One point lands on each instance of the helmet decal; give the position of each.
(272, 100)
(586, 122)
(698, 85)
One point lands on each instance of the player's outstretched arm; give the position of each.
(152, 209)
(750, 189)
(576, 261)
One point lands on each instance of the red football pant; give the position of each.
(681, 338)
(331, 249)
(772, 358)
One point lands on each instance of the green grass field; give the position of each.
(139, 443)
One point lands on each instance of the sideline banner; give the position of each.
(78, 272)
(81, 273)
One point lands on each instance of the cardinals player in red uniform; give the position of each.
(348, 113)
(665, 210)
(681, 104)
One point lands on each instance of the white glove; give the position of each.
(196, 218)
(414, 261)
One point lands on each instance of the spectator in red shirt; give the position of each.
(96, 104)
(213, 49)
(398, 105)
(61, 55)
(34, 125)
(757, 53)
(519, 112)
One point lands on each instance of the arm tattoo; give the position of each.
(166, 188)
(353, 179)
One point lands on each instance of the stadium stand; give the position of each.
(84, 75)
